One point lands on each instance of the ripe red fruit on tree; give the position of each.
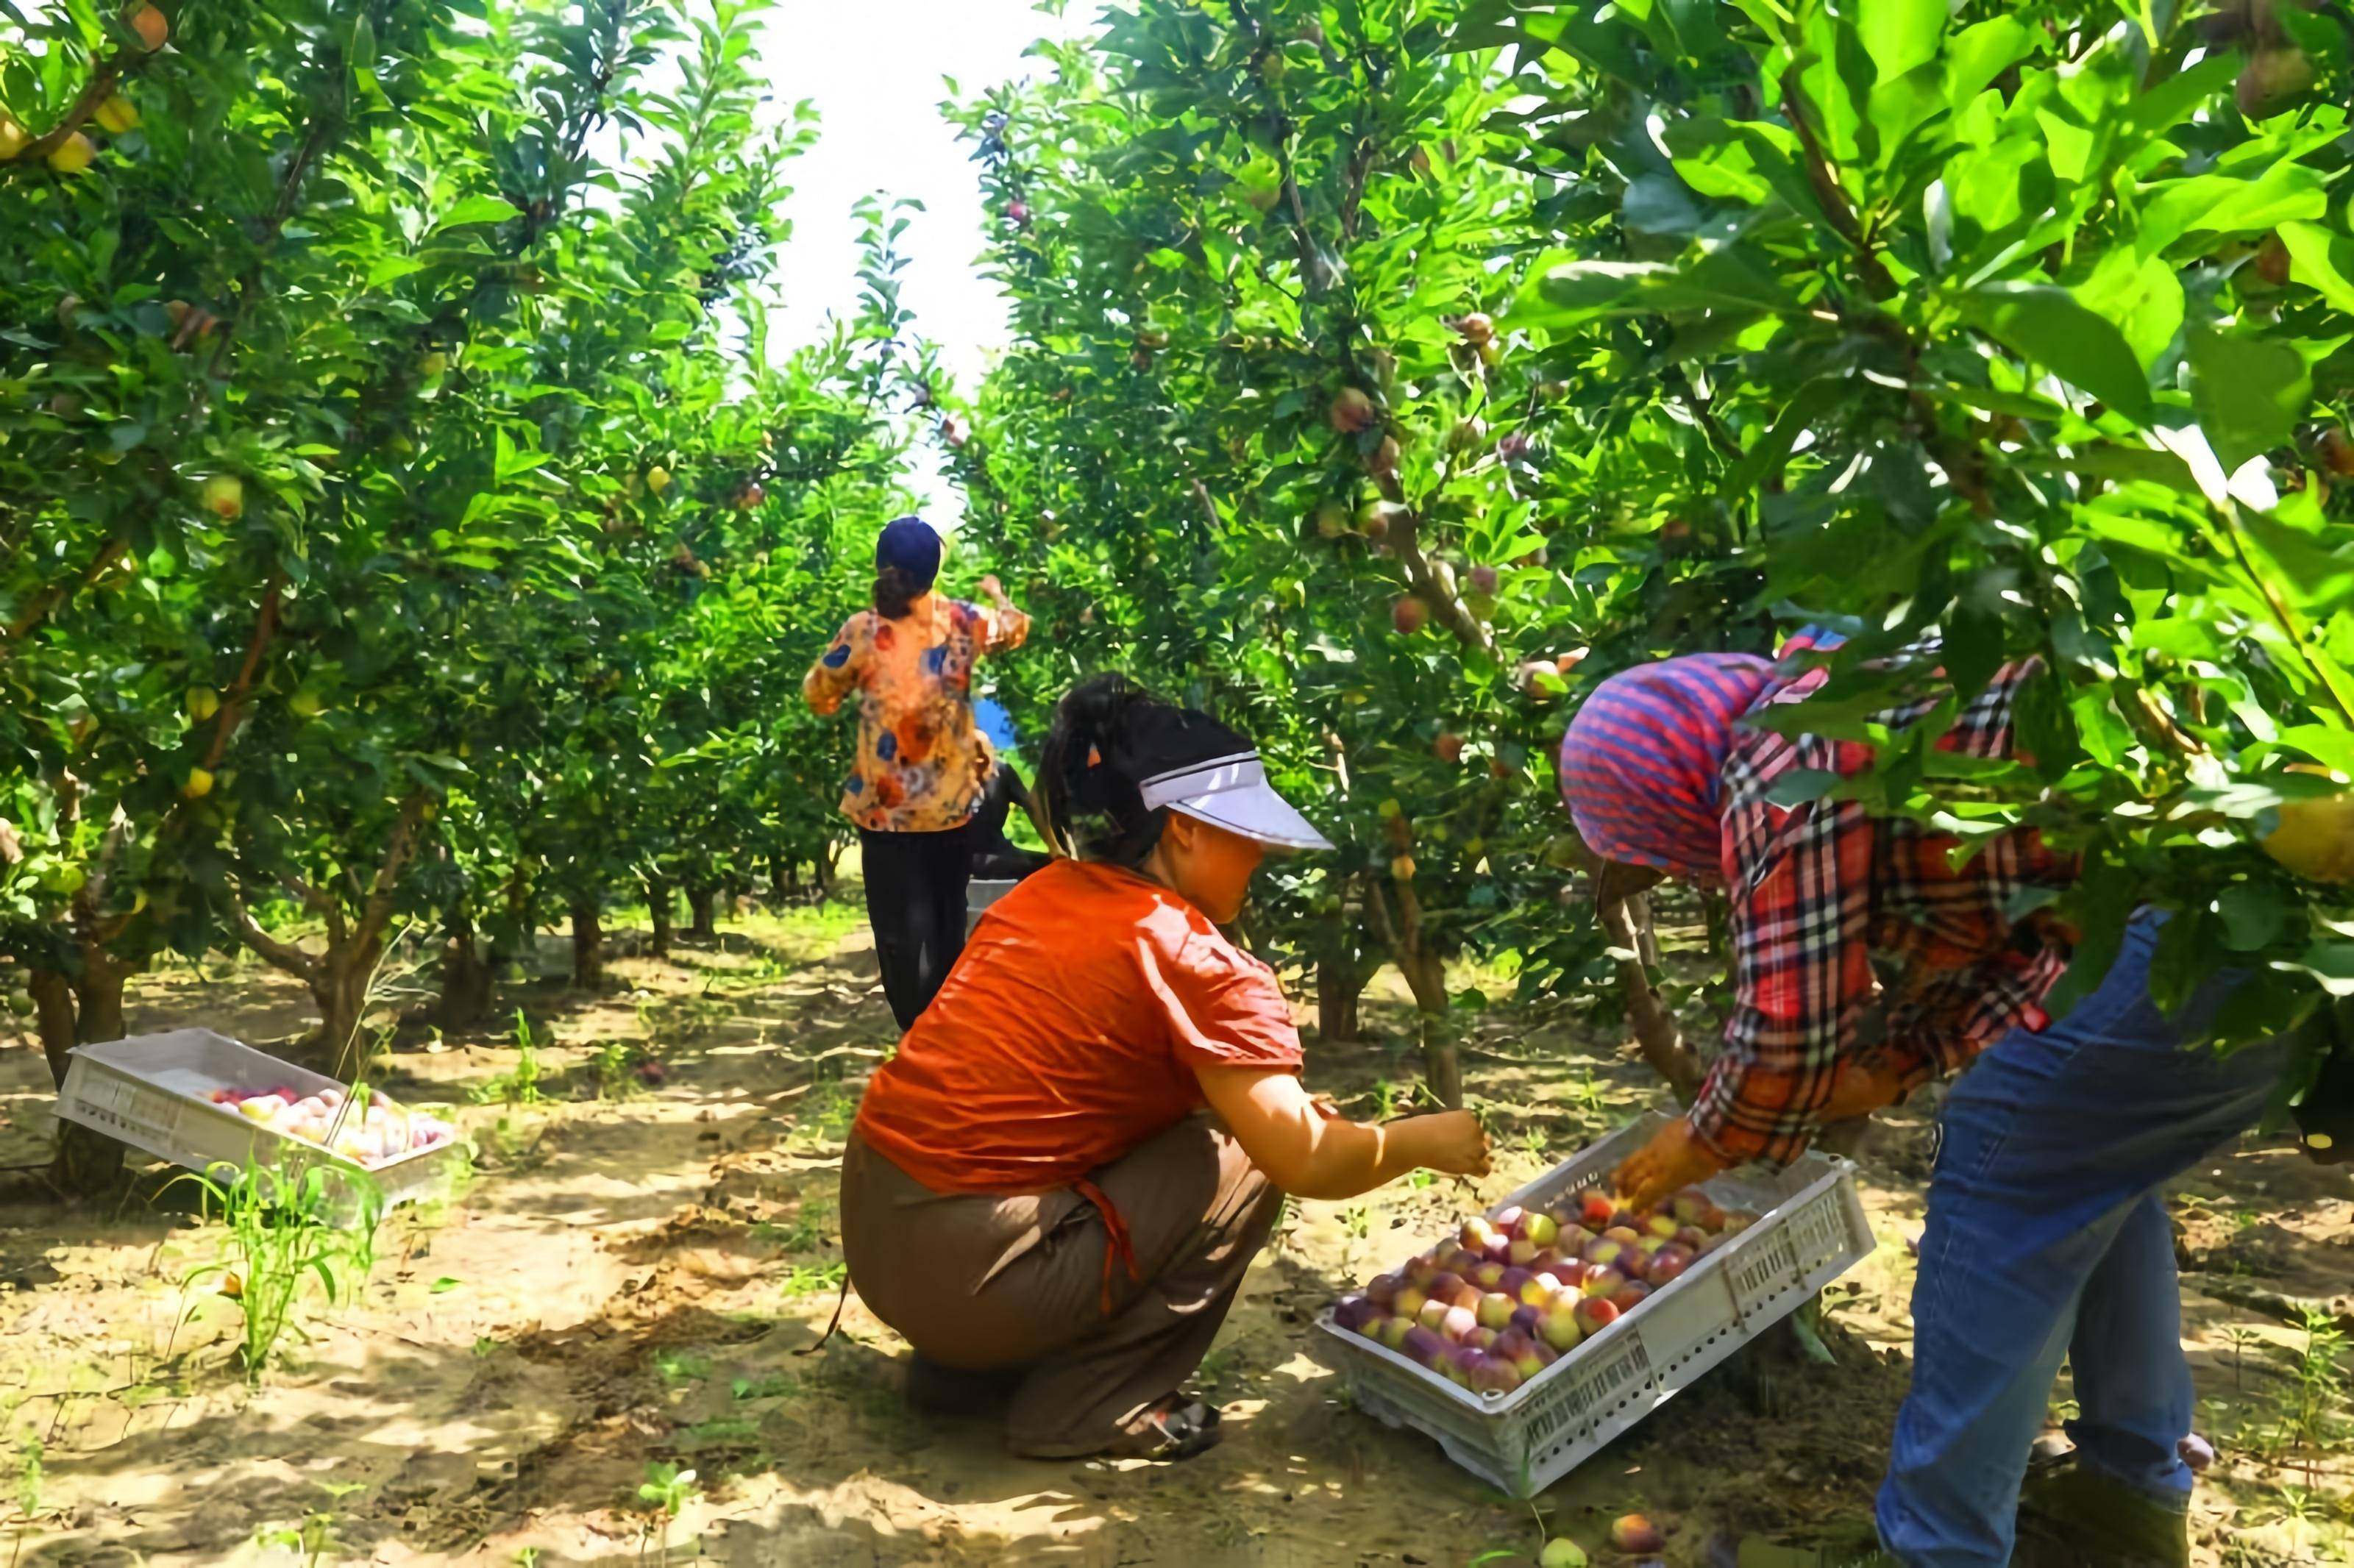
(1383, 461)
(1476, 328)
(1481, 579)
(1409, 615)
(1018, 212)
(1351, 412)
(148, 23)
(1633, 1533)
(1449, 747)
(2272, 262)
(2337, 452)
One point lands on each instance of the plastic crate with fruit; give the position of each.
(1523, 1356)
(203, 1100)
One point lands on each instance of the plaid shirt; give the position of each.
(1816, 889)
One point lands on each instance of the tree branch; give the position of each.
(1830, 193)
(376, 912)
(1434, 583)
(1656, 1033)
(280, 955)
(97, 90)
(232, 708)
(31, 617)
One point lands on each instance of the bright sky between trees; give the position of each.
(875, 70)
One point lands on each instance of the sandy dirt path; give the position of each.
(628, 1281)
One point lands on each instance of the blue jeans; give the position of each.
(2047, 1238)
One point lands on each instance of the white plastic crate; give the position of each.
(151, 1092)
(1811, 1230)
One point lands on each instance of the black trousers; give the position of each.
(915, 901)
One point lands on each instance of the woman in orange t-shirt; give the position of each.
(1054, 1188)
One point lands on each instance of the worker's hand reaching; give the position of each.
(1451, 1142)
(996, 591)
(1676, 1157)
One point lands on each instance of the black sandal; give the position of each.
(1177, 1428)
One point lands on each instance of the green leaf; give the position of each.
(2329, 963)
(2144, 297)
(478, 209)
(2252, 915)
(2248, 391)
(1980, 53)
(2221, 204)
(1900, 35)
(2321, 259)
(2048, 326)
(444, 1284)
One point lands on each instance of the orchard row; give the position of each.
(409, 535)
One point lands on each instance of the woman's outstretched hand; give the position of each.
(996, 591)
(1451, 1141)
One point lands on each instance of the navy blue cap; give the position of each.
(914, 546)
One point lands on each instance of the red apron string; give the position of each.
(1116, 1232)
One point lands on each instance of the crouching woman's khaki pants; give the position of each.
(1019, 1282)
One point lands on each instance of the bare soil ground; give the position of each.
(631, 1275)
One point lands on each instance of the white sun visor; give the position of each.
(1232, 793)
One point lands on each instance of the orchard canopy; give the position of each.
(408, 525)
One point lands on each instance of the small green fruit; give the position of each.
(1562, 1553)
(224, 495)
(203, 703)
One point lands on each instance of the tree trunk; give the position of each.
(1341, 973)
(824, 868)
(588, 946)
(1426, 977)
(780, 881)
(661, 901)
(53, 1013)
(465, 979)
(1337, 987)
(339, 990)
(1441, 1068)
(86, 1162)
(703, 902)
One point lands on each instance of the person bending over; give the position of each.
(1054, 1188)
(2047, 1230)
(995, 857)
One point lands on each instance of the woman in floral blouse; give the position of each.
(921, 770)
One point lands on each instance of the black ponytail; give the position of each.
(1088, 780)
(895, 593)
